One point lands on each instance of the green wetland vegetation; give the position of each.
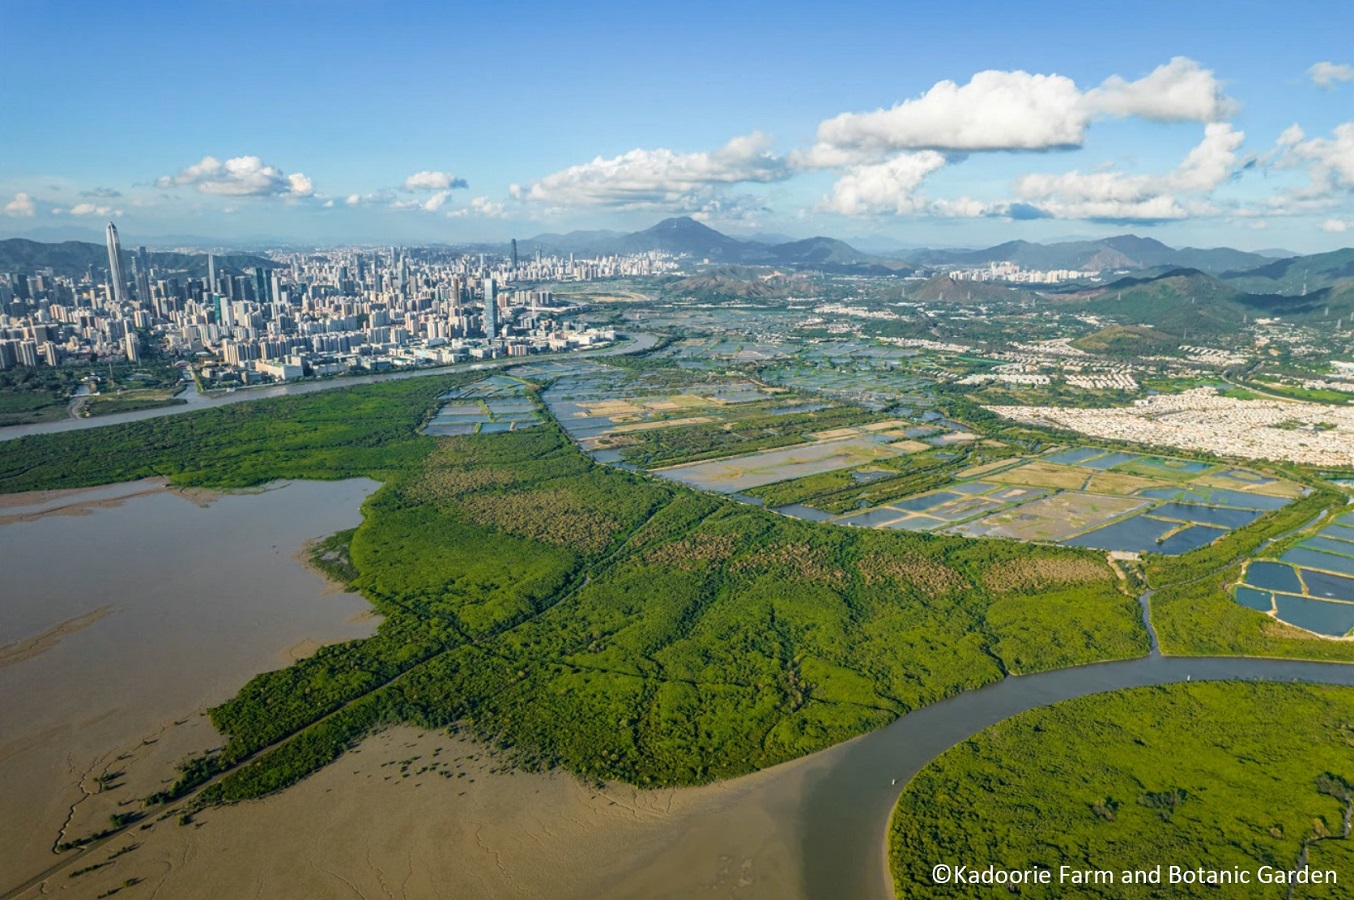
(30, 395)
(619, 626)
(1218, 775)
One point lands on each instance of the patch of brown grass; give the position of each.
(911, 570)
(692, 553)
(555, 517)
(448, 483)
(800, 559)
(1038, 574)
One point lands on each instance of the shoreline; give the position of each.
(106, 673)
(457, 819)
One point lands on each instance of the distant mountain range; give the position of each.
(685, 235)
(1125, 252)
(74, 258)
(1182, 292)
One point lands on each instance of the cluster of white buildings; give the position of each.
(1202, 420)
(1011, 272)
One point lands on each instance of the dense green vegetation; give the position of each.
(42, 394)
(1127, 341)
(617, 625)
(367, 430)
(1214, 775)
(106, 406)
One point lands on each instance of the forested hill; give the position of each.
(75, 258)
(1189, 303)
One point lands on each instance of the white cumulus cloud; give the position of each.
(21, 205)
(1329, 161)
(434, 203)
(480, 206)
(994, 111)
(240, 176)
(428, 180)
(887, 187)
(1116, 196)
(1328, 74)
(90, 209)
(1179, 91)
(1015, 110)
(1335, 226)
(655, 179)
(1211, 162)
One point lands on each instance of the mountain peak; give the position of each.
(681, 223)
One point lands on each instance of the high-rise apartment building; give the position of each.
(490, 309)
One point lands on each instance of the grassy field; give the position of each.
(1043, 474)
(1217, 775)
(32, 406)
(608, 622)
(107, 406)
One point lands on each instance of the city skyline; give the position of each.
(1197, 126)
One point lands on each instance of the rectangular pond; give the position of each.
(1109, 461)
(1334, 619)
(1245, 477)
(449, 430)
(808, 513)
(1315, 559)
(1339, 532)
(1191, 538)
(739, 473)
(1332, 587)
(1138, 534)
(1207, 515)
(871, 518)
(1258, 600)
(1216, 497)
(1174, 465)
(1329, 545)
(971, 487)
(925, 501)
(1273, 576)
(1075, 456)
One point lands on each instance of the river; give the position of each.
(846, 805)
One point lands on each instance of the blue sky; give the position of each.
(947, 124)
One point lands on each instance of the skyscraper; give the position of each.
(490, 309)
(115, 265)
(211, 273)
(514, 254)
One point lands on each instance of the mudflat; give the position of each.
(129, 608)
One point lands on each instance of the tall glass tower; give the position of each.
(115, 265)
(490, 309)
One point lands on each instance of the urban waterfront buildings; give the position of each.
(244, 319)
